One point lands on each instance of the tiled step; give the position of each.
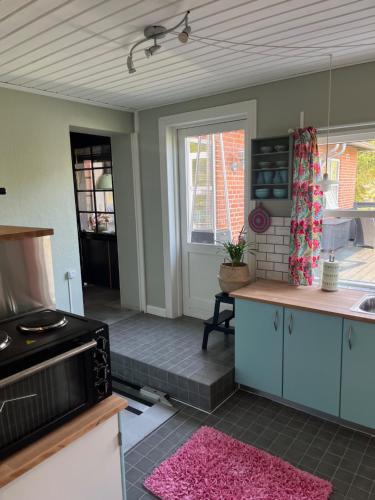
(205, 392)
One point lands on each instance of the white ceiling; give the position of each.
(77, 48)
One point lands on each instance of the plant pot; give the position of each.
(102, 227)
(231, 277)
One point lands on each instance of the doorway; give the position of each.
(212, 206)
(96, 223)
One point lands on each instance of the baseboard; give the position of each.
(310, 411)
(156, 311)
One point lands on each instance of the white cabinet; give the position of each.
(89, 468)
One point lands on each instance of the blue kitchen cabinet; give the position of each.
(358, 373)
(259, 346)
(312, 360)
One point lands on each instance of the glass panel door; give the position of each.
(212, 161)
(94, 189)
(215, 176)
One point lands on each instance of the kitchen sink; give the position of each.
(365, 305)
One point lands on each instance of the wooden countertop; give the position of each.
(304, 297)
(27, 458)
(19, 232)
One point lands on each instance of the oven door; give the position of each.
(43, 396)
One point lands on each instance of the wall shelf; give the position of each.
(273, 153)
(257, 156)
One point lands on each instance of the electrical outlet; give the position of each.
(70, 275)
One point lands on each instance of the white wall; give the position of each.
(36, 169)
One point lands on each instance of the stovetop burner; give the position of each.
(5, 340)
(43, 322)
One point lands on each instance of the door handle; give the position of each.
(276, 320)
(47, 363)
(350, 331)
(290, 326)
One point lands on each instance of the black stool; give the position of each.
(219, 318)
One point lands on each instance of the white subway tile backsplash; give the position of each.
(282, 230)
(261, 256)
(281, 267)
(281, 249)
(260, 238)
(274, 257)
(266, 247)
(273, 250)
(263, 264)
(274, 275)
(277, 221)
(279, 240)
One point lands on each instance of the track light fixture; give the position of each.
(155, 33)
(130, 64)
(184, 35)
(151, 50)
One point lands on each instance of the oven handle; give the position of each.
(46, 364)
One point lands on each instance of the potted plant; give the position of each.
(103, 221)
(234, 274)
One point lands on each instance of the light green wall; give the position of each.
(125, 219)
(35, 167)
(278, 110)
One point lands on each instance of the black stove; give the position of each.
(43, 321)
(5, 340)
(42, 333)
(53, 366)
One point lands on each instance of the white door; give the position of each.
(213, 204)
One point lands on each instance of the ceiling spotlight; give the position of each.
(155, 32)
(130, 64)
(150, 51)
(184, 35)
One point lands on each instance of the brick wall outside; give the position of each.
(233, 154)
(273, 250)
(347, 175)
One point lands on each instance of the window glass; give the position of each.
(349, 215)
(104, 201)
(106, 223)
(215, 186)
(87, 222)
(84, 180)
(85, 201)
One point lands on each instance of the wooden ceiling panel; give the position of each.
(77, 48)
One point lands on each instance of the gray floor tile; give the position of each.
(167, 354)
(345, 473)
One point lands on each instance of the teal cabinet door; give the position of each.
(312, 360)
(358, 373)
(259, 346)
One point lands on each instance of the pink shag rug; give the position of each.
(213, 466)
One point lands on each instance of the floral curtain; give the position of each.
(307, 199)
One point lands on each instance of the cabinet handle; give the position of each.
(276, 320)
(350, 337)
(290, 326)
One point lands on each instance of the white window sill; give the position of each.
(353, 285)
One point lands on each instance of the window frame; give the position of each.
(347, 135)
(211, 129)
